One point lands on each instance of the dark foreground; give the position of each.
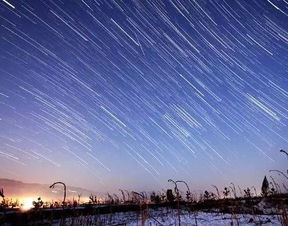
(273, 205)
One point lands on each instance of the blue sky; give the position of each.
(127, 94)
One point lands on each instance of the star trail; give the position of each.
(112, 93)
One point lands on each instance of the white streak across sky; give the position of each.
(109, 92)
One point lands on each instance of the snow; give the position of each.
(168, 216)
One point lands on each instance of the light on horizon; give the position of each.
(26, 204)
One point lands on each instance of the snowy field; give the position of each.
(164, 216)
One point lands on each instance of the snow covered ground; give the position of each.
(166, 216)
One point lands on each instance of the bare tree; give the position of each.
(79, 197)
(233, 189)
(286, 153)
(138, 194)
(177, 195)
(188, 193)
(128, 195)
(117, 200)
(265, 187)
(276, 186)
(240, 190)
(2, 193)
(64, 186)
(175, 187)
(280, 172)
(93, 199)
(226, 192)
(123, 195)
(217, 190)
(254, 190)
(111, 199)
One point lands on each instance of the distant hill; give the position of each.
(17, 189)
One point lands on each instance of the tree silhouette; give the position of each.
(217, 190)
(38, 204)
(169, 195)
(64, 185)
(175, 187)
(128, 195)
(93, 199)
(79, 197)
(123, 195)
(247, 193)
(2, 193)
(177, 197)
(265, 186)
(226, 192)
(286, 153)
(254, 190)
(233, 189)
(188, 193)
(208, 195)
(111, 199)
(280, 172)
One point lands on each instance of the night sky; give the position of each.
(108, 94)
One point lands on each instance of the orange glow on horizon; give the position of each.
(26, 203)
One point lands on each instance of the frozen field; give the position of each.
(165, 216)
